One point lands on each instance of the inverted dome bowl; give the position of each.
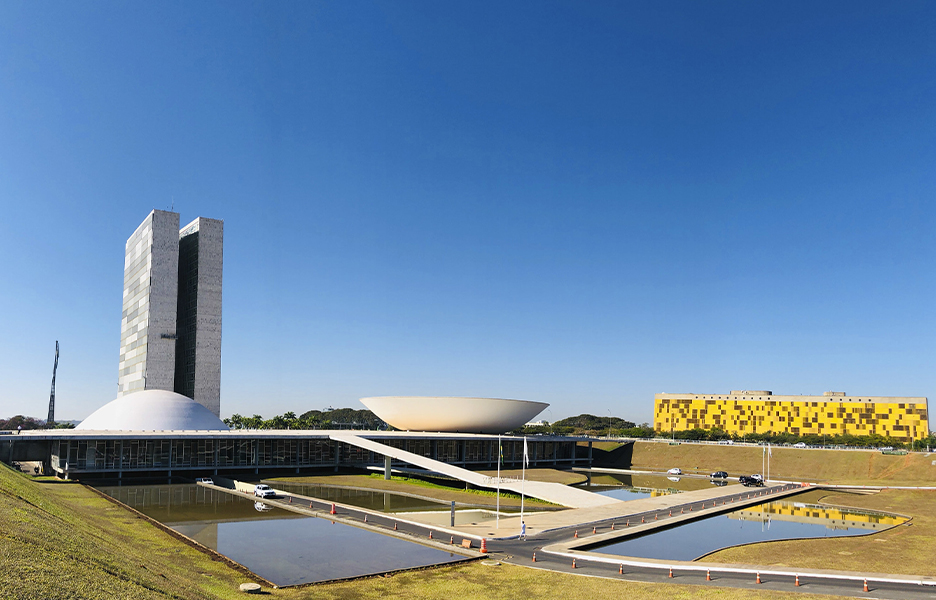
(452, 414)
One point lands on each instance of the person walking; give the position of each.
(523, 531)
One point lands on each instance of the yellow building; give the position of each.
(744, 412)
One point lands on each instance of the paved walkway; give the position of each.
(556, 493)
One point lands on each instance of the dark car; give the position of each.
(719, 475)
(750, 481)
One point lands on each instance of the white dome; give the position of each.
(152, 410)
(465, 415)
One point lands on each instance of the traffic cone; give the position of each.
(452, 540)
(621, 570)
(365, 518)
(612, 526)
(671, 571)
(333, 511)
(430, 535)
(708, 575)
(290, 499)
(758, 578)
(642, 520)
(573, 563)
(797, 581)
(671, 512)
(595, 529)
(534, 557)
(484, 546)
(394, 527)
(866, 585)
(576, 533)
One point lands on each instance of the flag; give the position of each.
(500, 452)
(526, 455)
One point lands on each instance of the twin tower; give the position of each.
(170, 337)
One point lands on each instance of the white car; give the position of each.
(800, 445)
(204, 480)
(264, 491)
(674, 471)
(757, 476)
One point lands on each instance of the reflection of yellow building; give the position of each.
(833, 413)
(830, 516)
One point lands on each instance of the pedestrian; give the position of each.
(19, 429)
(523, 531)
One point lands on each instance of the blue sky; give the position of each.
(577, 203)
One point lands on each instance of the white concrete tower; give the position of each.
(148, 325)
(198, 353)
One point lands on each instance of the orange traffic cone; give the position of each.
(671, 571)
(866, 585)
(708, 575)
(484, 546)
(758, 578)
(797, 581)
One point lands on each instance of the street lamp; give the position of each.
(609, 423)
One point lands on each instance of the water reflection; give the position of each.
(637, 486)
(282, 546)
(781, 520)
(387, 502)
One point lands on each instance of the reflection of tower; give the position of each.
(171, 325)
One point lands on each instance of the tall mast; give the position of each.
(50, 422)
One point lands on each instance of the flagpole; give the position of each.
(523, 476)
(499, 454)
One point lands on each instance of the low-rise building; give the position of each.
(760, 411)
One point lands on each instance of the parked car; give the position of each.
(757, 476)
(725, 442)
(800, 445)
(264, 491)
(750, 481)
(204, 480)
(719, 475)
(674, 471)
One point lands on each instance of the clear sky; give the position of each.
(582, 203)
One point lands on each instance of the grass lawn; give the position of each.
(61, 540)
(477, 581)
(905, 549)
(854, 467)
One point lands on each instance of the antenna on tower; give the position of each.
(50, 422)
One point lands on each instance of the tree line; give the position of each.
(338, 418)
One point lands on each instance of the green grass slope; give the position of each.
(61, 540)
(852, 467)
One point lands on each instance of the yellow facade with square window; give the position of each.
(834, 413)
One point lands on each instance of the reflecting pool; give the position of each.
(780, 520)
(279, 545)
(637, 486)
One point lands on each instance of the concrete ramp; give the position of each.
(556, 493)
